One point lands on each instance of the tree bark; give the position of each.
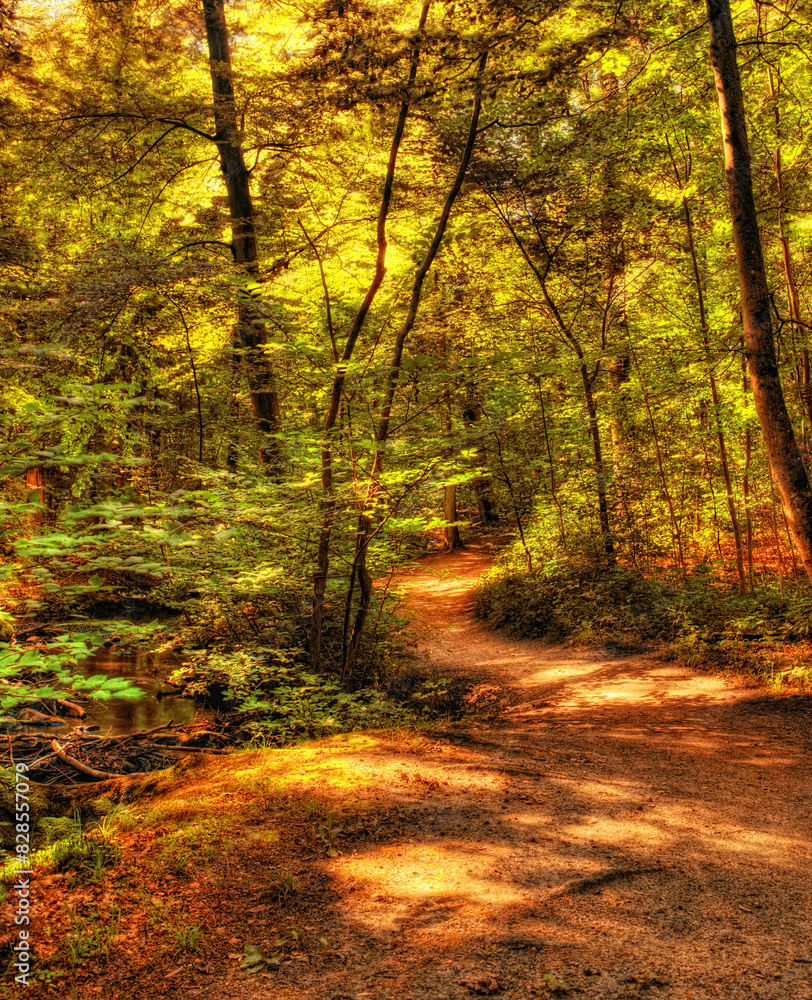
(370, 515)
(337, 391)
(782, 449)
(248, 337)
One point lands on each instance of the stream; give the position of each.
(159, 704)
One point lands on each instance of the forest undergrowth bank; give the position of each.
(700, 617)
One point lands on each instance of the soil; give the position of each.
(622, 827)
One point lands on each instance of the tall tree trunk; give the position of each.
(328, 500)
(779, 439)
(370, 516)
(248, 335)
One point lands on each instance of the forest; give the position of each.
(295, 293)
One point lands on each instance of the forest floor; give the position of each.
(622, 827)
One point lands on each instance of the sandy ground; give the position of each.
(625, 828)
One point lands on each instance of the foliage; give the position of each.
(586, 604)
(55, 660)
(703, 618)
(283, 702)
(92, 934)
(571, 362)
(61, 845)
(327, 832)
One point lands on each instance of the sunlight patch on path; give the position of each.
(411, 878)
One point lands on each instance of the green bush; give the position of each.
(281, 700)
(706, 620)
(584, 603)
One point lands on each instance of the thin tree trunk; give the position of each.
(328, 498)
(619, 373)
(782, 449)
(483, 491)
(791, 546)
(774, 523)
(516, 513)
(614, 269)
(248, 335)
(597, 455)
(586, 381)
(793, 296)
(748, 451)
(553, 488)
(370, 516)
(453, 539)
(709, 477)
(717, 406)
(676, 528)
(35, 482)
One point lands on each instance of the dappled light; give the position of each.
(405, 500)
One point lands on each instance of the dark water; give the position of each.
(158, 705)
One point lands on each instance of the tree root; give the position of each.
(90, 771)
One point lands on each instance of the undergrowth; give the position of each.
(281, 701)
(700, 619)
(60, 844)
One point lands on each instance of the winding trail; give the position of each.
(627, 825)
(625, 828)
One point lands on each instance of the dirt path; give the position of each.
(626, 828)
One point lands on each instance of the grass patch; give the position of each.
(65, 847)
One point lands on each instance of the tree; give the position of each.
(784, 455)
(249, 330)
